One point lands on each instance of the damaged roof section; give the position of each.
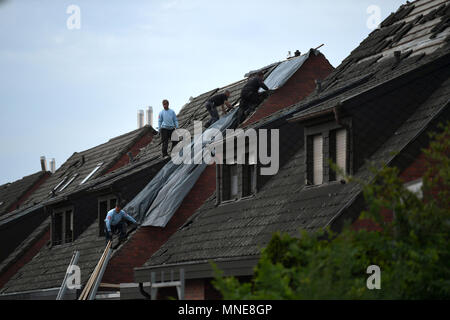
(382, 57)
(11, 193)
(85, 166)
(372, 73)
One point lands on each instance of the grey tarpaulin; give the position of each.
(278, 77)
(158, 201)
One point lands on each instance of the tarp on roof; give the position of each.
(284, 71)
(159, 200)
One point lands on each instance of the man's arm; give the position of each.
(263, 85)
(129, 218)
(228, 105)
(160, 120)
(108, 223)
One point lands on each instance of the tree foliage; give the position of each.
(412, 249)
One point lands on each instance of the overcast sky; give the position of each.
(66, 89)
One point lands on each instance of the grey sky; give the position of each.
(65, 90)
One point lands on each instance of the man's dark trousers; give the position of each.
(120, 228)
(166, 134)
(212, 109)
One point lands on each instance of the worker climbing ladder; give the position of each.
(91, 287)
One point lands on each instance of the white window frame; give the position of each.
(63, 211)
(60, 183)
(341, 149)
(69, 182)
(92, 173)
(415, 187)
(317, 149)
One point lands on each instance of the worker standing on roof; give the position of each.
(212, 104)
(116, 222)
(250, 96)
(167, 122)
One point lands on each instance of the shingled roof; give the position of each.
(416, 34)
(79, 166)
(47, 268)
(375, 81)
(11, 192)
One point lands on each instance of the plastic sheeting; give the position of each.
(278, 77)
(159, 200)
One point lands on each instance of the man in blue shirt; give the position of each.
(116, 221)
(167, 122)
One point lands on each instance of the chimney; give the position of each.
(140, 119)
(150, 116)
(43, 163)
(52, 165)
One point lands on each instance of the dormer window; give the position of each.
(92, 173)
(62, 226)
(325, 142)
(236, 181)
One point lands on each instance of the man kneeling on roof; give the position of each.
(212, 104)
(115, 222)
(250, 96)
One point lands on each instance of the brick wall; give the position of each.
(298, 87)
(137, 250)
(413, 172)
(194, 289)
(24, 259)
(25, 196)
(135, 149)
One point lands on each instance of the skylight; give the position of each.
(92, 173)
(59, 184)
(69, 182)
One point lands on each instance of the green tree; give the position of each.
(412, 250)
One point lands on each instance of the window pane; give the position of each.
(341, 151)
(102, 210)
(317, 159)
(69, 226)
(248, 185)
(234, 182)
(57, 228)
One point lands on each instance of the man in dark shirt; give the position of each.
(249, 94)
(213, 103)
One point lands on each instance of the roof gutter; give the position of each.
(32, 294)
(240, 266)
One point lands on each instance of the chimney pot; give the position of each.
(150, 116)
(43, 163)
(52, 165)
(140, 119)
